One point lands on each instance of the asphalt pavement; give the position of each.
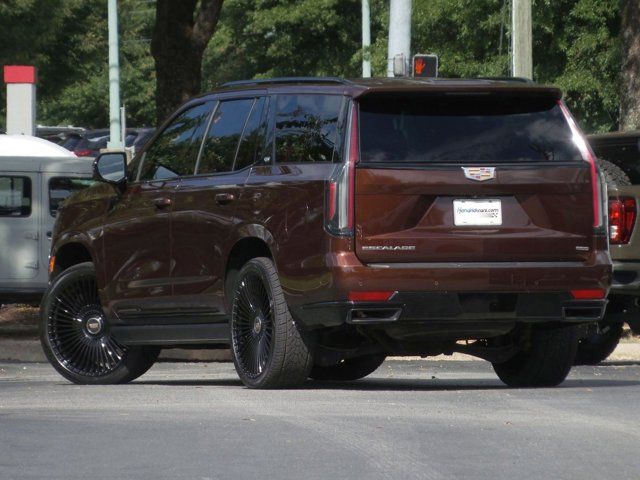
(411, 419)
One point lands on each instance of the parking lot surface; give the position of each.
(411, 419)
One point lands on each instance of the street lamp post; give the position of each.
(399, 48)
(115, 139)
(521, 38)
(366, 39)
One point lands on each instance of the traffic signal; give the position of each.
(425, 65)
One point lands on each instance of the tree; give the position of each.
(630, 84)
(69, 47)
(180, 37)
(287, 38)
(575, 47)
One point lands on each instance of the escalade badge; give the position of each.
(479, 173)
(393, 248)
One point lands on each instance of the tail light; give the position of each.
(588, 156)
(622, 219)
(589, 294)
(83, 153)
(341, 187)
(371, 296)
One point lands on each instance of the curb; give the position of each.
(30, 351)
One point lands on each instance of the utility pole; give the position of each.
(115, 139)
(399, 36)
(366, 39)
(521, 39)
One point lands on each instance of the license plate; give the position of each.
(477, 212)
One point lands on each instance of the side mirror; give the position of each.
(111, 167)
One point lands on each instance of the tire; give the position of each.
(267, 348)
(614, 176)
(83, 351)
(349, 369)
(546, 358)
(595, 348)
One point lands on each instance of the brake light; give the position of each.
(587, 156)
(589, 294)
(341, 186)
(83, 153)
(375, 296)
(622, 219)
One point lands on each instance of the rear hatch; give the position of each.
(473, 177)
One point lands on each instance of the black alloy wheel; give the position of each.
(268, 349)
(253, 326)
(78, 333)
(75, 333)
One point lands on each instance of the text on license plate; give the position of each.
(477, 212)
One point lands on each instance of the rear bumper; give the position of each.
(626, 278)
(446, 293)
(470, 313)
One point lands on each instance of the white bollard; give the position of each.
(21, 99)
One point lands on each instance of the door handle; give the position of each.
(225, 198)
(162, 203)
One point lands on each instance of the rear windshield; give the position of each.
(464, 129)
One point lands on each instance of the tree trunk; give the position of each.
(180, 38)
(630, 91)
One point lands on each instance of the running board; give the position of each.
(212, 333)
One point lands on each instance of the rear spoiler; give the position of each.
(480, 88)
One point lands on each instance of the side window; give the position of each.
(252, 137)
(15, 196)
(62, 187)
(175, 151)
(306, 127)
(224, 134)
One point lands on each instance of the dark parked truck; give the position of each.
(619, 159)
(319, 225)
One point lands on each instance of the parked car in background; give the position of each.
(65, 136)
(318, 225)
(619, 160)
(95, 140)
(35, 177)
(71, 141)
(91, 143)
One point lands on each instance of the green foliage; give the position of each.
(576, 46)
(67, 41)
(284, 38)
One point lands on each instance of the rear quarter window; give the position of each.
(464, 129)
(306, 127)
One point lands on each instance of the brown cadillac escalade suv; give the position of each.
(318, 225)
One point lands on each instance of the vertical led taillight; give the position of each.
(341, 186)
(597, 188)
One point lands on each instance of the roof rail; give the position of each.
(508, 79)
(277, 80)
